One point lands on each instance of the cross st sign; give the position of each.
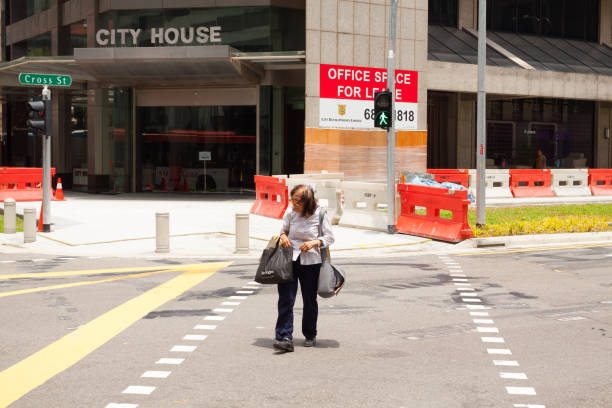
(45, 79)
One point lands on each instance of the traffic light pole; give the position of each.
(481, 121)
(391, 129)
(46, 202)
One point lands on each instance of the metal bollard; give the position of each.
(162, 232)
(29, 225)
(10, 216)
(242, 233)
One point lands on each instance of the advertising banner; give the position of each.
(347, 96)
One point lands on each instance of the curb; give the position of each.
(539, 239)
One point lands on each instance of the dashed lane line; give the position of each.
(139, 389)
(38, 368)
(156, 374)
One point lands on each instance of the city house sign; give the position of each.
(160, 36)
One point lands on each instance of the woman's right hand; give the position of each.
(285, 241)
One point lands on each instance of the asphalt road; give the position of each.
(520, 329)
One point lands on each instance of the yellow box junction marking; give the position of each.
(83, 283)
(35, 370)
(98, 271)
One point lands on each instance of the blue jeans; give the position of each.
(308, 276)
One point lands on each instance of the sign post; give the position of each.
(391, 129)
(204, 157)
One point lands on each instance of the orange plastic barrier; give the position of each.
(451, 175)
(531, 183)
(600, 181)
(22, 183)
(271, 197)
(431, 225)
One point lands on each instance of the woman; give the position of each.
(301, 230)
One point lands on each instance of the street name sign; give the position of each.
(45, 79)
(205, 156)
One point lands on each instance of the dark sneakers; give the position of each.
(310, 342)
(285, 344)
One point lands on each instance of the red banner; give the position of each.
(359, 83)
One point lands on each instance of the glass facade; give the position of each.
(571, 19)
(248, 29)
(73, 36)
(196, 148)
(563, 129)
(443, 12)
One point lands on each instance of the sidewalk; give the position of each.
(201, 226)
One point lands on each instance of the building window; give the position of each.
(39, 46)
(443, 12)
(19, 9)
(73, 36)
(571, 19)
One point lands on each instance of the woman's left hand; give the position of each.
(308, 245)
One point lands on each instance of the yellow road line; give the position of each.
(532, 249)
(76, 284)
(98, 271)
(35, 370)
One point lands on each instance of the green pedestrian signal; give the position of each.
(382, 109)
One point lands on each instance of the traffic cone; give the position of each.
(40, 220)
(59, 193)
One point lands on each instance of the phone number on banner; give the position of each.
(343, 113)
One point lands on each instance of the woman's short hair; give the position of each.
(304, 195)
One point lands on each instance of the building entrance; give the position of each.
(196, 148)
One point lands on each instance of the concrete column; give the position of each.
(29, 225)
(605, 22)
(242, 233)
(162, 232)
(468, 14)
(10, 216)
(98, 152)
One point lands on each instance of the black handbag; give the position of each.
(275, 264)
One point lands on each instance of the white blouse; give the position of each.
(300, 230)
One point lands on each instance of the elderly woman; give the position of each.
(301, 230)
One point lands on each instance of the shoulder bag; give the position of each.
(331, 277)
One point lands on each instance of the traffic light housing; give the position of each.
(383, 115)
(39, 113)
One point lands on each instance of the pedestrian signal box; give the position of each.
(383, 116)
(39, 116)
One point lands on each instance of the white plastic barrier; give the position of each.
(497, 183)
(570, 182)
(319, 176)
(327, 193)
(365, 205)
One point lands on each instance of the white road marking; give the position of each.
(499, 351)
(245, 292)
(66, 258)
(487, 330)
(214, 318)
(183, 349)
(479, 313)
(454, 267)
(462, 284)
(205, 327)
(469, 294)
(483, 321)
(464, 288)
(237, 297)
(458, 275)
(38, 260)
(171, 361)
(492, 339)
(513, 376)
(156, 374)
(569, 319)
(529, 406)
(195, 337)
(481, 307)
(471, 300)
(221, 310)
(521, 390)
(8, 261)
(115, 405)
(506, 363)
(251, 287)
(459, 280)
(230, 303)
(138, 389)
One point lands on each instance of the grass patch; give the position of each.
(19, 224)
(541, 219)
